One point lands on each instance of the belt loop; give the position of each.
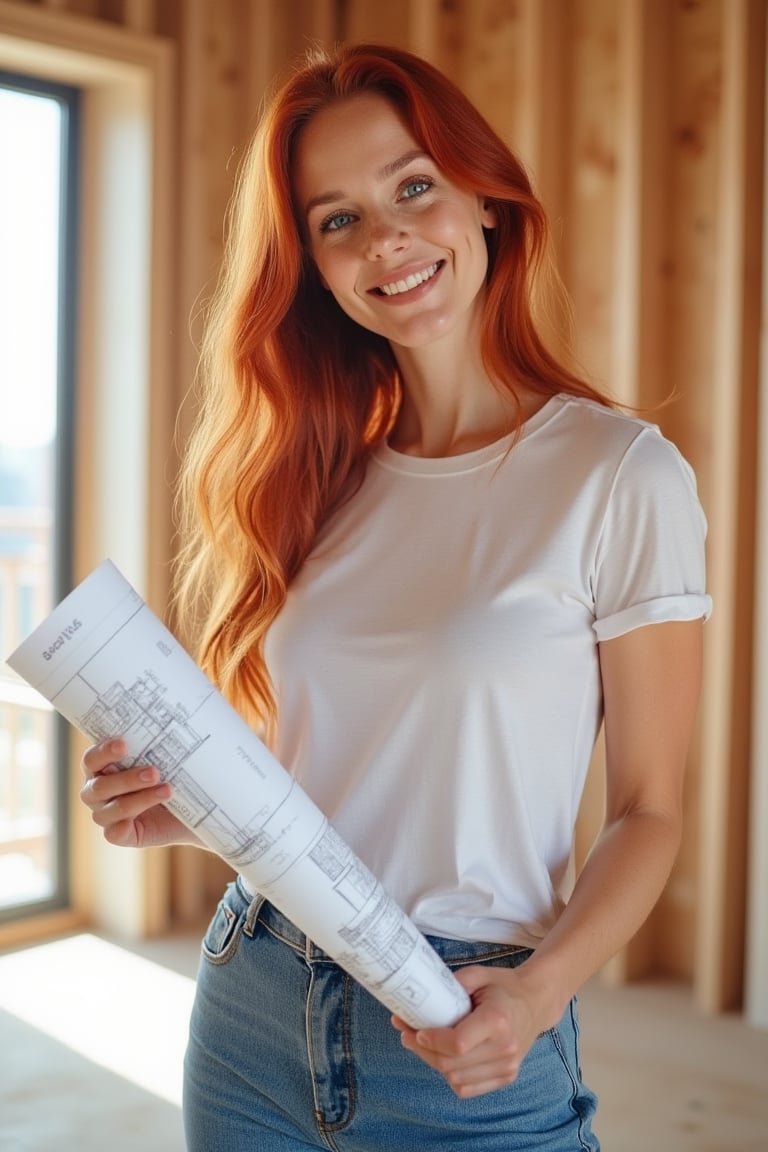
(252, 914)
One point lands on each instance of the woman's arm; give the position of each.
(651, 680)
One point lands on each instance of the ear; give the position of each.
(488, 214)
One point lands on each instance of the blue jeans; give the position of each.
(287, 1052)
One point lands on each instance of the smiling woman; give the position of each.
(399, 245)
(428, 561)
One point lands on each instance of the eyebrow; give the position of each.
(384, 173)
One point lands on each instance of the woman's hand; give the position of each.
(128, 803)
(485, 1049)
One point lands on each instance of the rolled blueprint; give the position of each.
(112, 668)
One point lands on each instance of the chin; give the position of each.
(423, 335)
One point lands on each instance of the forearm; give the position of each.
(651, 678)
(616, 890)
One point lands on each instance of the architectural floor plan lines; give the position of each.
(111, 668)
(140, 710)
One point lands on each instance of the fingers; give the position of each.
(101, 757)
(483, 1068)
(113, 799)
(483, 1074)
(118, 797)
(485, 1049)
(488, 1024)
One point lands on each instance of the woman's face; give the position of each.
(398, 245)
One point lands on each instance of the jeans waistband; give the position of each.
(452, 952)
(261, 911)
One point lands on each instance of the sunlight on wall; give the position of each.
(125, 1013)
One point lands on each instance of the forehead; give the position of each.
(347, 138)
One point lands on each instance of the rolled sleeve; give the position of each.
(650, 566)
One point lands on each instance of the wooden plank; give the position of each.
(591, 85)
(371, 20)
(692, 127)
(425, 22)
(542, 143)
(638, 362)
(49, 41)
(139, 15)
(189, 901)
(727, 690)
(192, 267)
(636, 353)
(492, 74)
(79, 7)
(274, 34)
(30, 930)
(543, 62)
(448, 35)
(163, 394)
(756, 991)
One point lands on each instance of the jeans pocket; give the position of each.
(223, 934)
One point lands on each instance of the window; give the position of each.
(38, 198)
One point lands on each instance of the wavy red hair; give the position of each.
(294, 394)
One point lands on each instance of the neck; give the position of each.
(450, 404)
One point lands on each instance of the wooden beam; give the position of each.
(139, 15)
(543, 61)
(491, 65)
(637, 340)
(756, 991)
(388, 23)
(638, 347)
(425, 25)
(727, 689)
(591, 85)
(541, 145)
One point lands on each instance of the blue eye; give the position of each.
(416, 187)
(335, 222)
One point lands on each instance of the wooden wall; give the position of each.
(642, 122)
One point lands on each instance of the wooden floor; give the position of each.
(83, 1070)
(669, 1079)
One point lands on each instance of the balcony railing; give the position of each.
(27, 782)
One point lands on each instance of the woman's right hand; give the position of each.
(128, 802)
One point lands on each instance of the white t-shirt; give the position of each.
(436, 661)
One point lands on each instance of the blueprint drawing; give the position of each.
(112, 668)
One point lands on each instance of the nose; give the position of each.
(385, 236)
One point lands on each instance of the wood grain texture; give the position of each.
(641, 122)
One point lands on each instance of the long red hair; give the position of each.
(294, 394)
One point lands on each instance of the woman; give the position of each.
(427, 560)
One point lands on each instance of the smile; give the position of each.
(410, 282)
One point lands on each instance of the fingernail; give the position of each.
(147, 774)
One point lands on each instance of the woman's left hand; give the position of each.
(485, 1049)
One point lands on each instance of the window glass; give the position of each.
(38, 125)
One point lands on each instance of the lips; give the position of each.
(409, 282)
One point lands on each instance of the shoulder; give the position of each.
(625, 445)
(600, 423)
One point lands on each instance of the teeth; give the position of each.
(410, 282)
